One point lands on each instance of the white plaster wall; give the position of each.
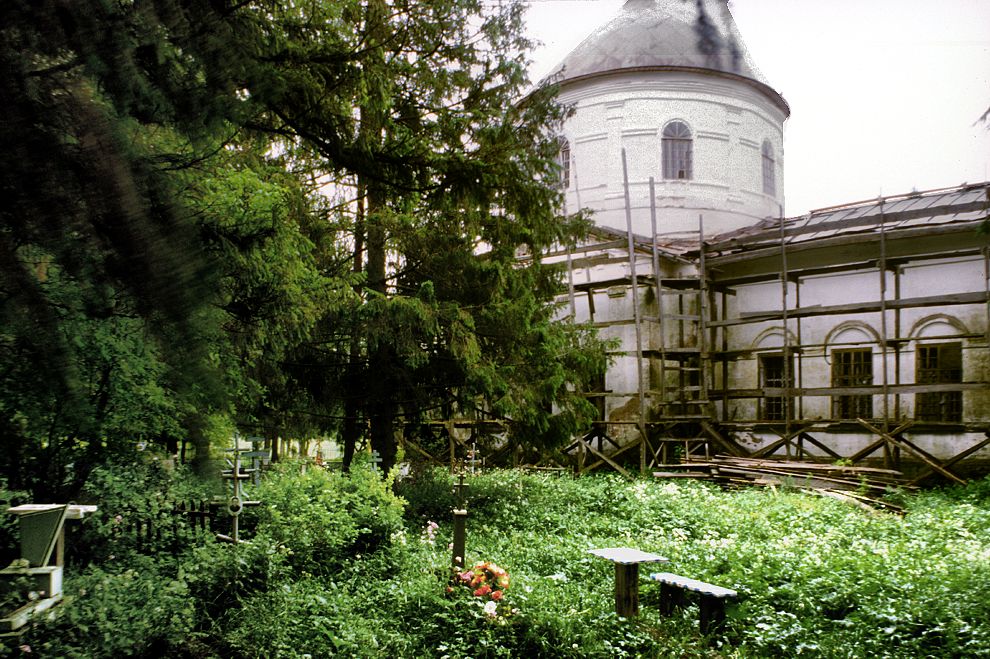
(729, 121)
(848, 288)
(942, 277)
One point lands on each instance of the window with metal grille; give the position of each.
(769, 170)
(939, 364)
(852, 368)
(564, 160)
(773, 376)
(676, 146)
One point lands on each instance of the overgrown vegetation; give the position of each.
(286, 220)
(339, 566)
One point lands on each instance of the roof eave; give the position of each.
(761, 87)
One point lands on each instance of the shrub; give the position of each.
(9, 535)
(221, 575)
(129, 612)
(428, 493)
(324, 518)
(146, 490)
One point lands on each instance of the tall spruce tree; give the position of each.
(121, 125)
(91, 239)
(156, 263)
(418, 104)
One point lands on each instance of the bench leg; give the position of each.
(627, 590)
(671, 597)
(712, 614)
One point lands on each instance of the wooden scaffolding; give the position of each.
(685, 402)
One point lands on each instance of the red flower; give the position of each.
(484, 590)
(497, 595)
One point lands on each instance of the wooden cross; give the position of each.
(459, 488)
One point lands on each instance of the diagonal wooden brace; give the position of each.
(961, 456)
(900, 442)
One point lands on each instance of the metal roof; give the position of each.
(666, 34)
(965, 205)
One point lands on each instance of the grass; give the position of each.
(816, 577)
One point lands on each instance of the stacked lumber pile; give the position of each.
(855, 484)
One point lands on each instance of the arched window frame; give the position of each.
(769, 169)
(677, 150)
(564, 160)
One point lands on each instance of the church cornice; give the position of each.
(764, 90)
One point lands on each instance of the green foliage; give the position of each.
(441, 175)
(147, 489)
(9, 535)
(116, 611)
(102, 265)
(305, 616)
(323, 518)
(816, 577)
(223, 575)
(283, 215)
(429, 495)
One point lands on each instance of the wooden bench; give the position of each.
(627, 562)
(712, 605)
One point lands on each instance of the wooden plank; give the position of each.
(810, 438)
(770, 448)
(979, 297)
(693, 585)
(809, 466)
(872, 390)
(728, 445)
(799, 479)
(416, 447)
(607, 459)
(961, 456)
(862, 453)
(911, 448)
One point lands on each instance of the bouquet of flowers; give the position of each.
(487, 581)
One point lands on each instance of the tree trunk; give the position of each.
(351, 430)
(380, 402)
(196, 427)
(352, 402)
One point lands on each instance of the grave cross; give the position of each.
(376, 460)
(259, 457)
(473, 460)
(460, 526)
(459, 488)
(236, 474)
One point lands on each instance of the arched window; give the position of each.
(564, 160)
(676, 147)
(769, 170)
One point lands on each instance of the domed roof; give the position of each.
(666, 34)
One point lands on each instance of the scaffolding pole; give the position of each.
(986, 272)
(788, 413)
(641, 388)
(570, 271)
(885, 379)
(658, 282)
(704, 363)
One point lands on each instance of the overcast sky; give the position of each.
(884, 94)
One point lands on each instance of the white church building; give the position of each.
(859, 332)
